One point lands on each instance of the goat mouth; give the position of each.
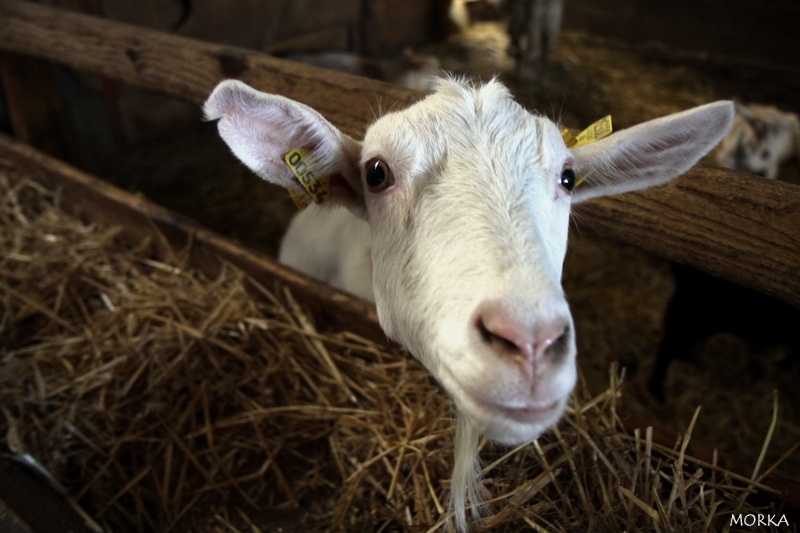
(526, 414)
(513, 425)
(534, 413)
(531, 414)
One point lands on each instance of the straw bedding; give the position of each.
(165, 401)
(617, 293)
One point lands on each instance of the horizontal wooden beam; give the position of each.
(187, 68)
(733, 225)
(740, 228)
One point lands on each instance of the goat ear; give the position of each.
(651, 153)
(262, 128)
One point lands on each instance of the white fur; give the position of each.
(331, 245)
(465, 250)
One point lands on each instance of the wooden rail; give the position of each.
(740, 228)
(187, 68)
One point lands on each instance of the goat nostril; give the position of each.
(527, 338)
(558, 345)
(495, 339)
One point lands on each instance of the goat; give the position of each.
(456, 220)
(761, 139)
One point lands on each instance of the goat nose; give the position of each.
(531, 339)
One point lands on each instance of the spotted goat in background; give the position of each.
(761, 139)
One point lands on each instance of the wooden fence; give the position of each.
(729, 224)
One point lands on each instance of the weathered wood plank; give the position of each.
(736, 227)
(186, 68)
(730, 224)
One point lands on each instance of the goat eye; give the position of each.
(568, 178)
(378, 175)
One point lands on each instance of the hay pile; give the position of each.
(169, 402)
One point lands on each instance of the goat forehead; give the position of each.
(462, 128)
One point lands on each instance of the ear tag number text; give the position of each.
(593, 133)
(316, 187)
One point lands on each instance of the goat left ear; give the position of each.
(262, 128)
(651, 153)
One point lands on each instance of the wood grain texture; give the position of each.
(740, 228)
(187, 68)
(735, 226)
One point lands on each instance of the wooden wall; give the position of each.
(122, 115)
(739, 31)
(373, 27)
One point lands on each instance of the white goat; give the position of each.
(456, 226)
(761, 140)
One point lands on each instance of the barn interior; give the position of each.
(632, 59)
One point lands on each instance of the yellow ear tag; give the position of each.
(595, 132)
(569, 138)
(317, 188)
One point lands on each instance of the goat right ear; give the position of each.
(651, 153)
(262, 128)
